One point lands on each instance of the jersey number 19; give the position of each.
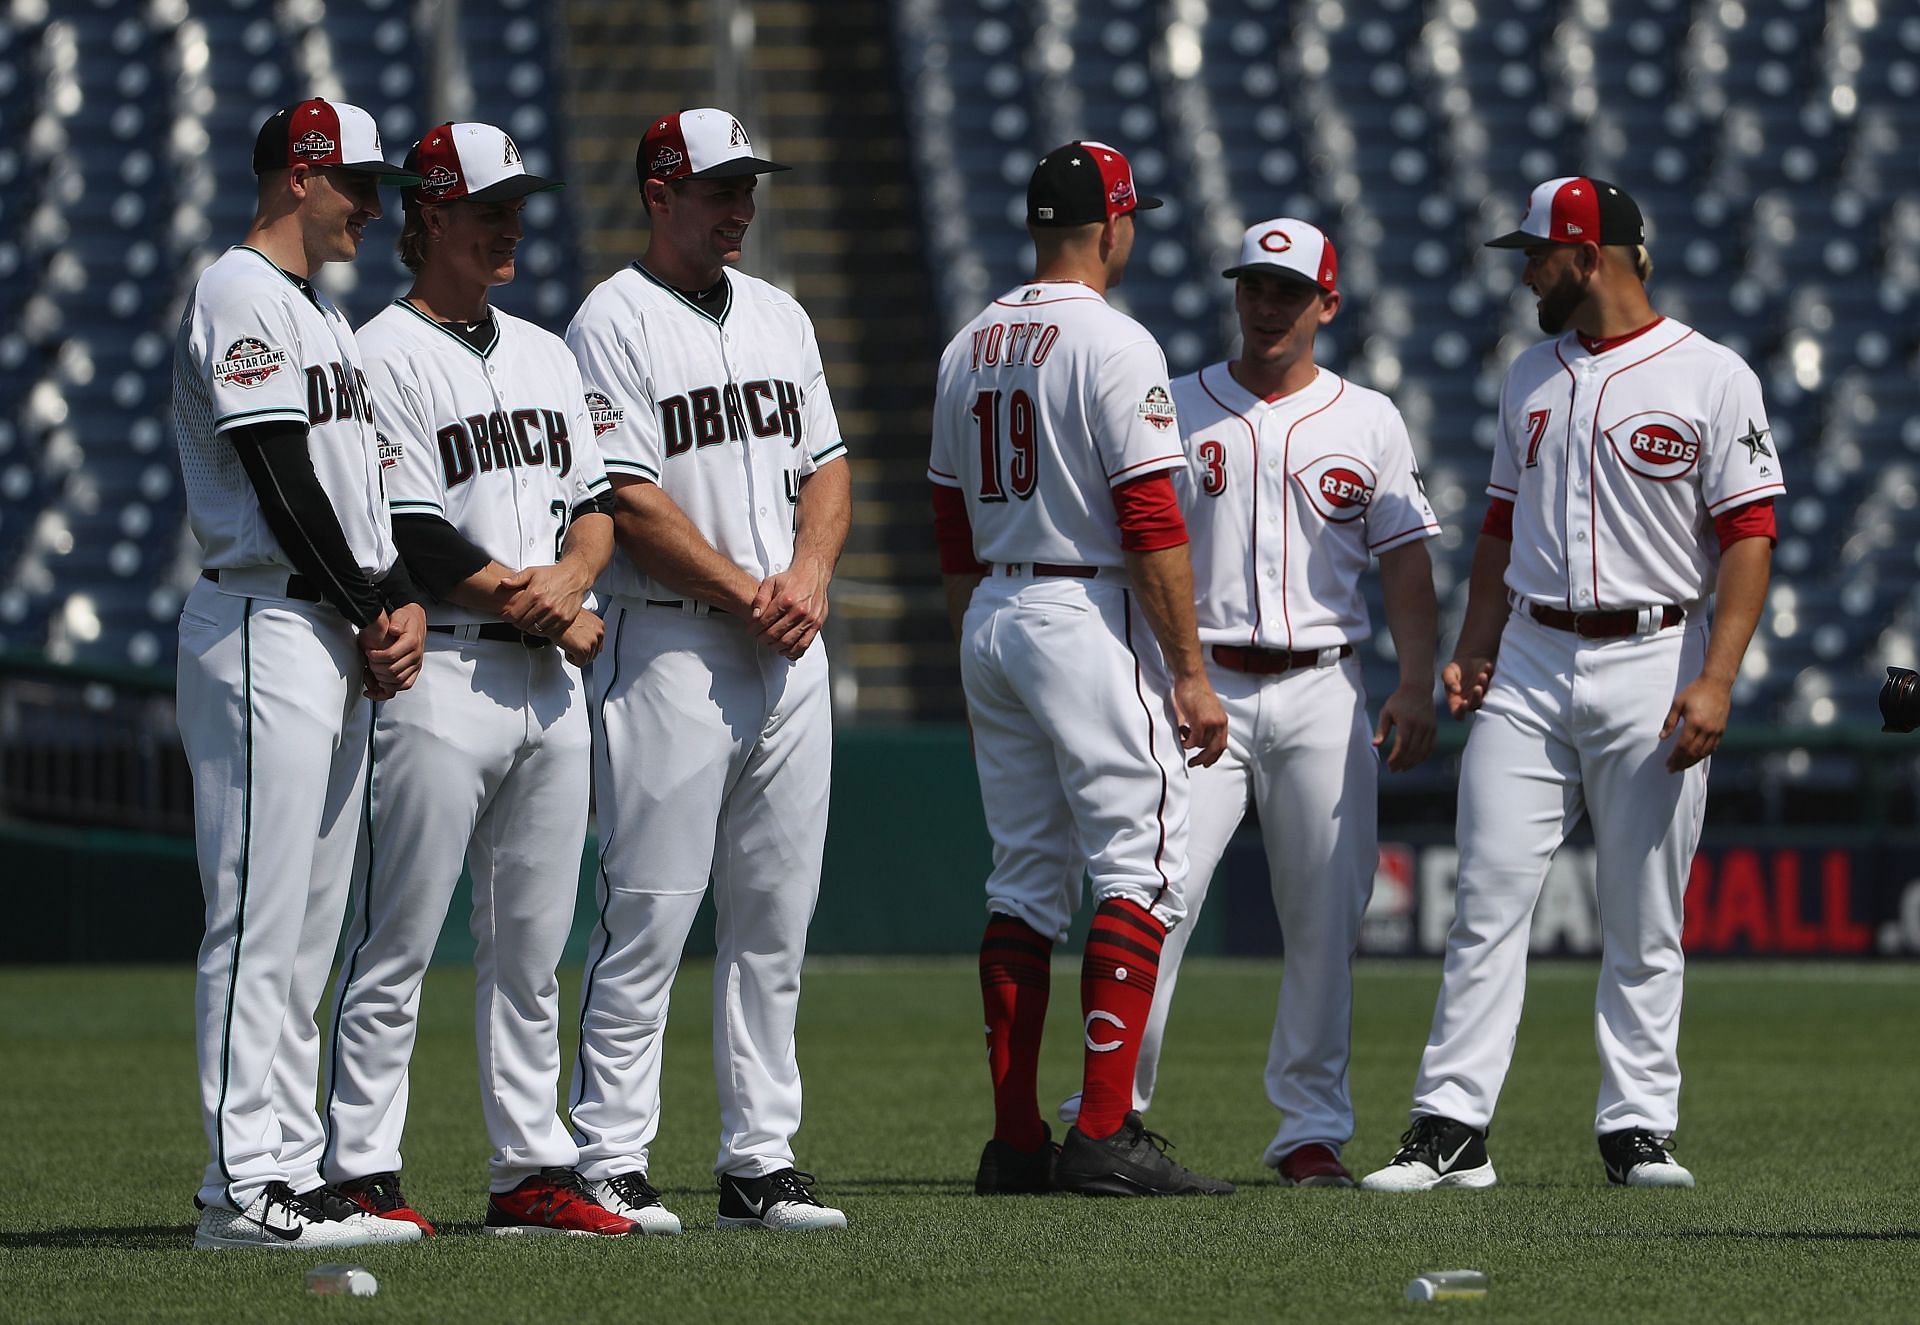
(1021, 472)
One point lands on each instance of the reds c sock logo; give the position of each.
(1103, 1046)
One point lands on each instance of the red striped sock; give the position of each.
(1016, 965)
(1117, 976)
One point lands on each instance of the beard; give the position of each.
(1558, 302)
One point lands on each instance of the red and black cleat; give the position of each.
(379, 1194)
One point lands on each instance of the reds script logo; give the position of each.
(248, 362)
(1276, 241)
(1656, 445)
(1339, 487)
(1122, 193)
(605, 415)
(312, 144)
(1157, 409)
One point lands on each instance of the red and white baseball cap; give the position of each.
(1577, 209)
(472, 162)
(324, 133)
(1080, 183)
(1288, 246)
(699, 144)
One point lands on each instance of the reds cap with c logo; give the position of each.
(472, 162)
(699, 144)
(1080, 183)
(1576, 209)
(324, 133)
(1288, 246)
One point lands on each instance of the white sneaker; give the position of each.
(783, 1201)
(1640, 1158)
(276, 1220)
(329, 1206)
(632, 1197)
(1435, 1152)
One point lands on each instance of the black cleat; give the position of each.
(1007, 1171)
(1131, 1162)
(1639, 1158)
(1435, 1152)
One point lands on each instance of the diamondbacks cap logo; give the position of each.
(439, 180)
(313, 144)
(666, 161)
(248, 362)
(1276, 241)
(1656, 445)
(1157, 408)
(512, 155)
(606, 416)
(737, 136)
(1339, 487)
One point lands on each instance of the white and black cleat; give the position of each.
(277, 1220)
(1435, 1152)
(782, 1201)
(1639, 1158)
(632, 1197)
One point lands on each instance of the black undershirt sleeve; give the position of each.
(397, 586)
(439, 555)
(600, 504)
(301, 517)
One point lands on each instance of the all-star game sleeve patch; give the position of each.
(390, 450)
(605, 414)
(1157, 408)
(248, 363)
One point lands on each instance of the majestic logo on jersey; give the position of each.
(502, 440)
(1276, 241)
(1157, 408)
(439, 180)
(390, 450)
(666, 161)
(1339, 487)
(313, 144)
(248, 363)
(710, 415)
(605, 414)
(1656, 445)
(331, 394)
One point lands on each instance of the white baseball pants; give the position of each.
(712, 761)
(1081, 771)
(486, 759)
(1570, 727)
(1300, 747)
(275, 729)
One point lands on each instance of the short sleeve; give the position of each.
(820, 437)
(1135, 427)
(1504, 481)
(252, 359)
(1399, 513)
(1742, 463)
(943, 463)
(409, 460)
(619, 396)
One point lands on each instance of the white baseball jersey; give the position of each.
(254, 347)
(1288, 500)
(499, 444)
(727, 411)
(1048, 399)
(1618, 462)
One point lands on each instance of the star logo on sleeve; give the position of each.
(1755, 441)
(1419, 480)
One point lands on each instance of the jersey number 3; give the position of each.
(1021, 470)
(1213, 467)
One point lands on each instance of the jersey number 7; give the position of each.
(1022, 472)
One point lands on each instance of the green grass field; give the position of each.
(1798, 1119)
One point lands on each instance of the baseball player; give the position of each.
(1298, 479)
(712, 719)
(302, 615)
(1617, 580)
(502, 512)
(1068, 582)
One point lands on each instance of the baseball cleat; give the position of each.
(379, 1194)
(554, 1202)
(1313, 1165)
(1006, 1170)
(277, 1220)
(328, 1204)
(782, 1200)
(1131, 1162)
(1639, 1158)
(633, 1198)
(1435, 1152)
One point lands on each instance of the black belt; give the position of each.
(1269, 662)
(297, 587)
(499, 632)
(1052, 569)
(1602, 625)
(680, 604)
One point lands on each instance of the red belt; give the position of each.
(1601, 625)
(1268, 662)
(1049, 568)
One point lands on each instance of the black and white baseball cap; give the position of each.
(464, 161)
(324, 133)
(1080, 183)
(1288, 246)
(699, 144)
(1577, 209)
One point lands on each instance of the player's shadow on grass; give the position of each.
(1801, 1235)
(139, 1237)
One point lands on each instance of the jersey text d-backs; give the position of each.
(254, 347)
(1617, 464)
(1287, 503)
(727, 410)
(497, 443)
(1046, 401)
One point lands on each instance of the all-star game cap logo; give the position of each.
(464, 159)
(439, 180)
(313, 145)
(606, 416)
(318, 132)
(248, 362)
(705, 143)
